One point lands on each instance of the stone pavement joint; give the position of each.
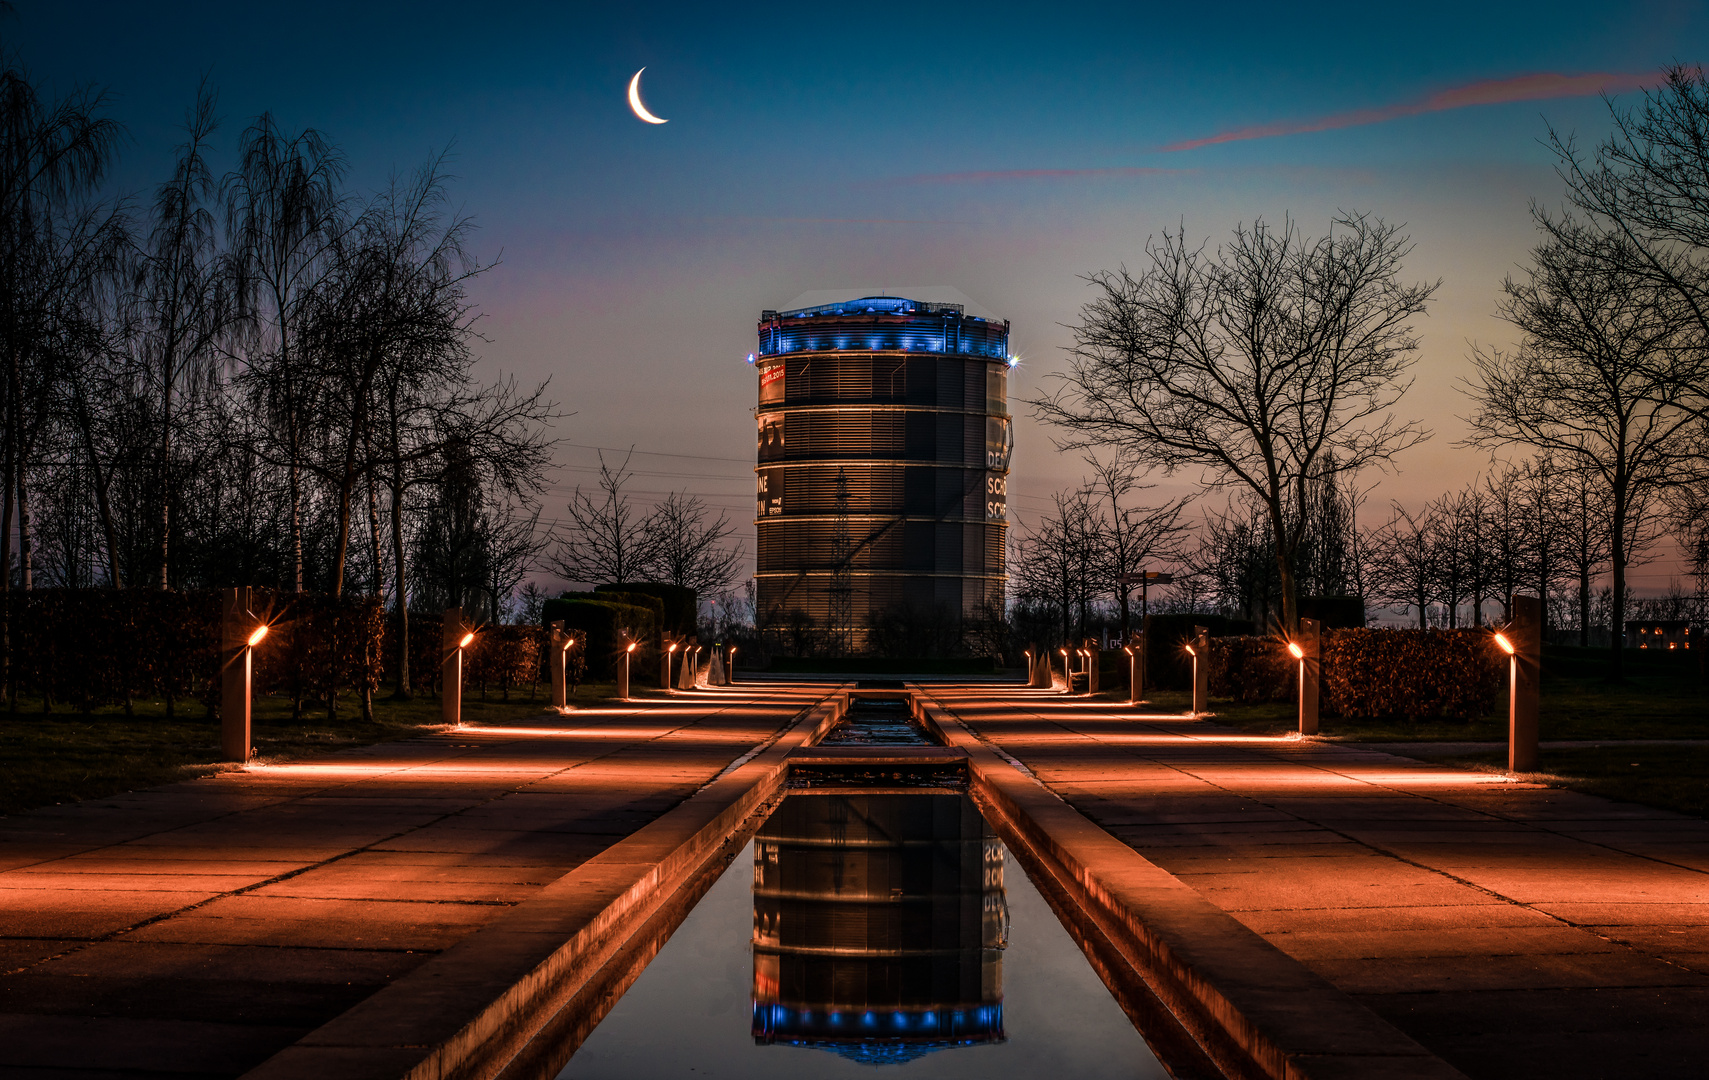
(1512, 929)
(199, 928)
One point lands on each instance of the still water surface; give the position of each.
(862, 930)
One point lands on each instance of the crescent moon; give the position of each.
(639, 109)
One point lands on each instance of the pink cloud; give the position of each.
(1034, 174)
(1538, 86)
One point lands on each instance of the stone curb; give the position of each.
(1256, 1011)
(468, 1012)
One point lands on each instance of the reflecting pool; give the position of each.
(864, 929)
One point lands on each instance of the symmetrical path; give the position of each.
(1513, 929)
(196, 929)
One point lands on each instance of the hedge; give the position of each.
(97, 647)
(680, 611)
(1370, 674)
(603, 621)
(1167, 665)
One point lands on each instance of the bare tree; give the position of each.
(1598, 383)
(1269, 364)
(1134, 538)
(603, 541)
(684, 548)
(1403, 560)
(282, 211)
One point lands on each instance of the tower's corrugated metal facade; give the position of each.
(884, 446)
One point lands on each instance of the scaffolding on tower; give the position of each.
(841, 616)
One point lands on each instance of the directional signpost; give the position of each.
(1144, 579)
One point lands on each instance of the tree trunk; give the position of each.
(401, 596)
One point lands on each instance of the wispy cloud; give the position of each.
(1001, 175)
(1537, 86)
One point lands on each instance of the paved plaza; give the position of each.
(197, 929)
(1511, 928)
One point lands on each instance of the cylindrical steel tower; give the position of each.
(884, 445)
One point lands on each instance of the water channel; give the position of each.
(866, 928)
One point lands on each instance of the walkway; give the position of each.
(1514, 930)
(196, 929)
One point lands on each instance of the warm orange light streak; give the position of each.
(464, 644)
(1506, 645)
(255, 638)
(1299, 653)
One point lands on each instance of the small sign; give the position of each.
(1149, 577)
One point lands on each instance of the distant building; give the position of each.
(1658, 634)
(883, 463)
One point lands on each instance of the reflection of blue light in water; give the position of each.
(869, 1020)
(899, 1020)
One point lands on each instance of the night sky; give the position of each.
(981, 153)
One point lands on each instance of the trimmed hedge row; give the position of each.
(1370, 674)
(97, 647)
(605, 621)
(89, 648)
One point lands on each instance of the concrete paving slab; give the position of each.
(277, 896)
(1501, 904)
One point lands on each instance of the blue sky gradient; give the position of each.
(991, 151)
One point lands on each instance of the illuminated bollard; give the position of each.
(1136, 669)
(1522, 641)
(1201, 650)
(557, 654)
(1067, 671)
(667, 658)
(623, 672)
(240, 632)
(1090, 655)
(686, 677)
(454, 637)
(730, 668)
(1307, 648)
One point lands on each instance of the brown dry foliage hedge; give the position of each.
(1370, 674)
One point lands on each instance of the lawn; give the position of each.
(1655, 701)
(64, 756)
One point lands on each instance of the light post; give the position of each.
(730, 668)
(1200, 650)
(454, 638)
(240, 633)
(1522, 641)
(1135, 669)
(1090, 654)
(1067, 670)
(623, 672)
(557, 650)
(665, 660)
(1307, 648)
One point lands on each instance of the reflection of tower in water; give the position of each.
(879, 922)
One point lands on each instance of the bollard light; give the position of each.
(1136, 669)
(666, 658)
(730, 669)
(240, 632)
(454, 638)
(1307, 648)
(623, 672)
(1522, 641)
(557, 655)
(1200, 650)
